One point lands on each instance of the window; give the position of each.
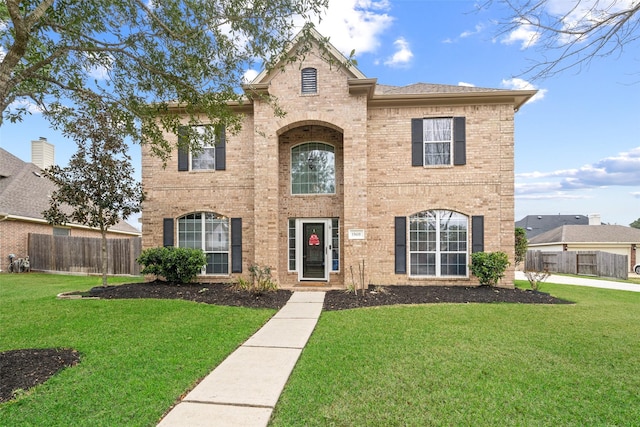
(210, 232)
(61, 231)
(205, 159)
(309, 81)
(211, 156)
(292, 245)
(438, 243)
(313, 169)
(438, 141)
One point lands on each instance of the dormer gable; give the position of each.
(309, 43)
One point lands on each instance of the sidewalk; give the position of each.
(584, 281)
(244, 388)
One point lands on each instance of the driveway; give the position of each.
(584, 281)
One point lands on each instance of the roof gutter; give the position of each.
(9, 217)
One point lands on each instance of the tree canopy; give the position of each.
(571, 34)
(139, 57)
(97, 188)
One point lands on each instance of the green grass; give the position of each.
(137, 356)
(472, 364)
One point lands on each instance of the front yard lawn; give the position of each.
(136, 356)
(472, 364)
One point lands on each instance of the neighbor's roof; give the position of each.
(25, 191)
(589, 234)
(538, 224)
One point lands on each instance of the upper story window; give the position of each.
(211, 156)
(438, 141)
(313, 169)
(309, 81)
(206, 158)
(209, 232)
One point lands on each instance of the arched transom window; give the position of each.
(210, 232)
(313, 169)
(438, 243)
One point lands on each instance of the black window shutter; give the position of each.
(167, 231)
(236, 245)
(221, 158)
(183, 153)
(417, 143)
(477, 233)
(459, 141)
(401, 245)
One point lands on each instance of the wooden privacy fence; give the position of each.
(82, 254)
(585, 263)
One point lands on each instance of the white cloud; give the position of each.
(477, 30)
(355, 24)
(635, 194)
(25, 104)
(621, 170)
(466, 84)
(249, 75)
(403, 54)
(521, 84)
(525, 34)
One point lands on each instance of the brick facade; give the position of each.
(370, 131)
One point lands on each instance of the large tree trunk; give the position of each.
(103, 256)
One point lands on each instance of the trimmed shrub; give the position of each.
(259, 283)
(178, 265)
(489, 267)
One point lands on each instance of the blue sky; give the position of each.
(577, 143)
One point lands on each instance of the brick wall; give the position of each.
(374, 178)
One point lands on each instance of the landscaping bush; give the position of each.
(489, 267)
(180, 265)
(259, 282)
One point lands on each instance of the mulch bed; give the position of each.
(23, 369)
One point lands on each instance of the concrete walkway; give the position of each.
(244, 388)
(585, 281)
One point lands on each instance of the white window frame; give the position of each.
(435, 245)
(206, 236)
(433, 139)
(309, 168)
(207, 149)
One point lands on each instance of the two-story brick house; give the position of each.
(399, 183)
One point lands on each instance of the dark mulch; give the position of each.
(26, 368)
(23, 369)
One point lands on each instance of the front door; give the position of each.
(315, 249)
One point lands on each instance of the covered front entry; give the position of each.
(314, 249)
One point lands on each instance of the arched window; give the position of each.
(438, 243)
(313, 169)
(210, 232)
(309, 80)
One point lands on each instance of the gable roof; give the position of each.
(25, 192)
(589, 234)
(336, 55)
(538, 224)
(403, 95)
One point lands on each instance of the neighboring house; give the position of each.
(616, 239)
(538, 224)
(24, 195)
(357, 182)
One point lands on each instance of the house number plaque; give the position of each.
(356, 234)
